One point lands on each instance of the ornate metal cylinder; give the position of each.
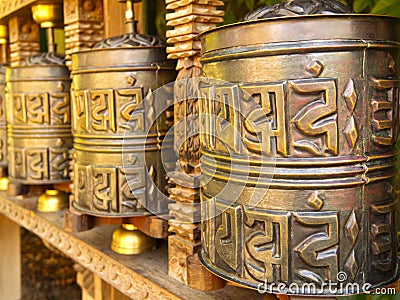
(112, 127)
(319, 142)
(39, 121)
(3, 120)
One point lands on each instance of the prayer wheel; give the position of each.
(39, 121)
(299, 119)
(38, 111)
(117, 134)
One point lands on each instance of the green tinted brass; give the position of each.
(319, 140)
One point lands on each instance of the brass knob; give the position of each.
(48, 15)
(130, 15)
(3, 34)
(4, 183)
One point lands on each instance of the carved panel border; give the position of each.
(126, 280)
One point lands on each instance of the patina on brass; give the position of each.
(128, 240)
(39, 118)
(109, 85)
(320, 138)
(52, 200)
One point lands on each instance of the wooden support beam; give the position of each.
(24, 39)
(10, 260)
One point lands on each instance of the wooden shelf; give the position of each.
(143, 276)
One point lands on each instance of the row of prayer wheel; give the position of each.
(107, 107)
(299, 118)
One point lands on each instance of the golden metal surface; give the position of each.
(309, 177)
(52, 200)
(104, 100)
(118, 129)
(4, 183)
(39, 122)
(128, 240)
(48, 15)
(3, 34)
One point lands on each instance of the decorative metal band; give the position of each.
(295, 47)
(130, 40)
(298, 8)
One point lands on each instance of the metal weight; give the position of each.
(315, 103)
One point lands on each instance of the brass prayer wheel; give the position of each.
(38, 111)
(39, 121)
(307, 120)
(117, 159)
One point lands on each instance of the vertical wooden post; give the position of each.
(114, 17)
(24, 39)
(189, 17)
(84, 25)
(10, 260)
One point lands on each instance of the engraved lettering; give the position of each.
(228, 119)
(38, 108)
(319, 249)
(38, 163)
(19, 101)
(60, 108)
(227, 243)
(102, 110)
(385, 112)
(105, 188)
(383, 243)
(80, 109)
(267, 119)
(318, 117)
(269, 246)
(131, 109)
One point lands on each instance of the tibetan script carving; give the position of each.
(111, 111)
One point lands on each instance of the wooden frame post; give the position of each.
(10, 260)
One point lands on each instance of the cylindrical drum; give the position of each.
(3, 120)
(117, 163)
(39, 121)
(302, 130)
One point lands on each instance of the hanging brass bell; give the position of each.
(127, 239)
(52, 200)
